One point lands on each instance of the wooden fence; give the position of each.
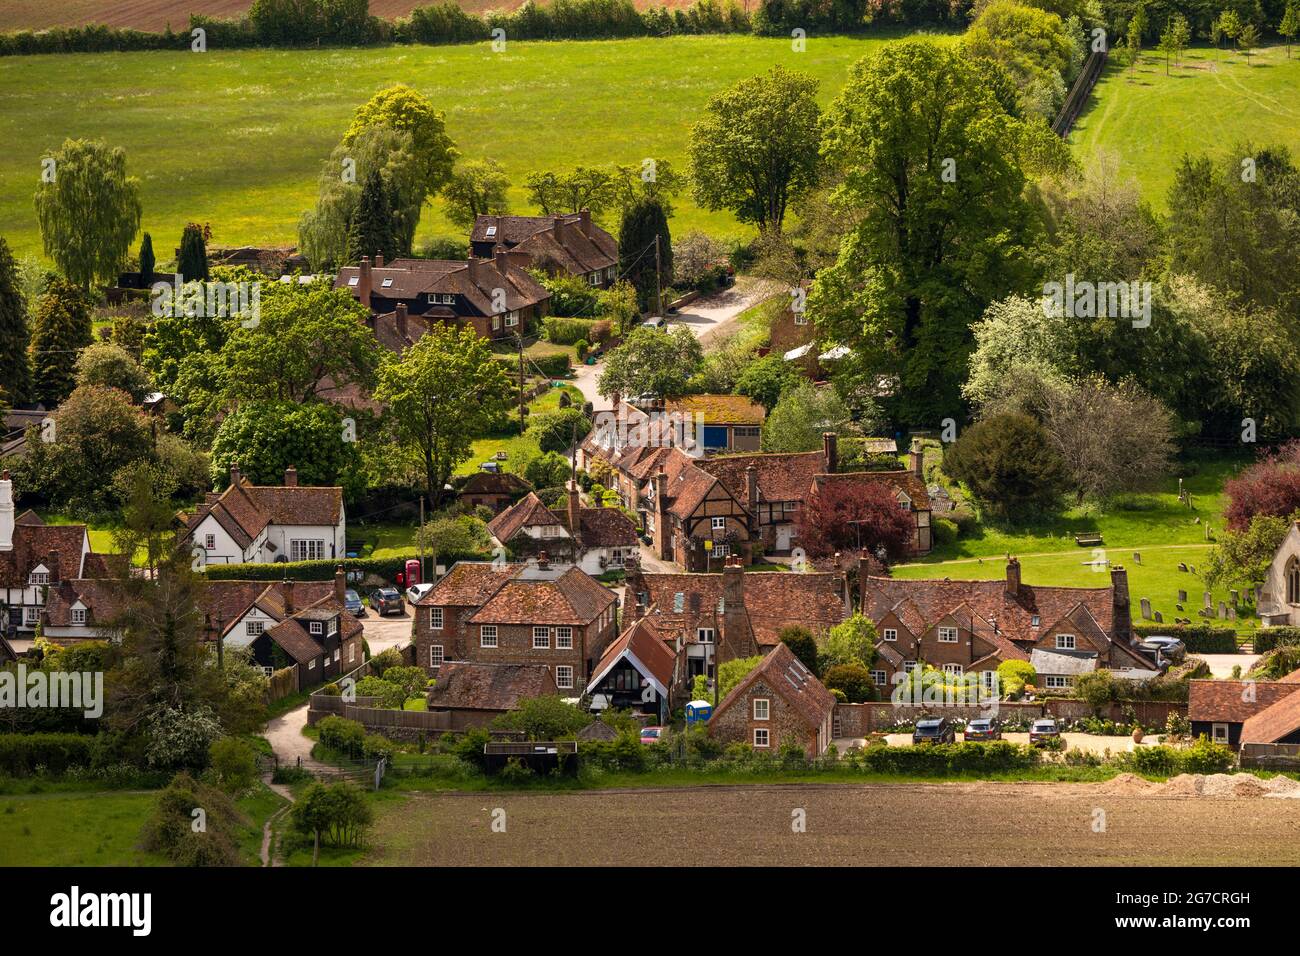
(1079, 93)
(1271, 756)
(282, 683)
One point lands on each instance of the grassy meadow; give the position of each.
(237, 138)
(1209, 102)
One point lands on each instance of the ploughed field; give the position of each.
(957, 824)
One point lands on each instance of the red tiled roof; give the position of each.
(469, 583)
(527, 512)
(101, 598)
(647, 652)
(245, 509)
(475, 282)
(469, 685)
(792, 681)
(1233, 701)
(606, 528)
(32, 544)
(780, 476)
(578, 250)
(1277, 720)
(572, 597)
(295, 640)
(903, 480)
(494, 483)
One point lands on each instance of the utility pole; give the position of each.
(419, 542)
(659, 289)
(520, 338)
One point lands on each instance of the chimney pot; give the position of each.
(340, 584)
(286, 589)
(399, 318)
(364, 281)
(751, 487)
(379, 260)
(234, 473)
(830, 452)
(916, 458)
(543, 560)
(584, 218)
(1013, 575)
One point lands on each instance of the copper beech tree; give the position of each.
(857, 517)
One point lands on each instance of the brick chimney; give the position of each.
(584, 221)
(6, 512)
(1121, 619)
(751, 487)
(364, 281)
(662, 539)
(234, 473)
(634, 609)
(830, 452)
(379, 260)
(737, 639)
(916, 458)
(291, 477)
(52, 562)
(559, 227)
(399, 319)
(1013, 576)
(475, 270)
(501, 256)
(286, 592)
(575, 509)
(340, 584)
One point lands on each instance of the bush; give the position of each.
(1205, 757)
(1200, 638)
(945, 531)
(388, 694)
(1008, 463)
(943, 759)
(546, 717)
(233, 763)
(341, 734)
(853, 679)
(565, 331)
(1268, 638)
(171, 828)
(556, 431)
(22, 754)
(338, 814)
(385, 659)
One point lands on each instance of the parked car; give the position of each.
(934, 730)
(983, 728)
(651, 735)
(386, 601)
(352, 603)
(417, 591)
(654, 322)
(1043, 730)
(1170, 648)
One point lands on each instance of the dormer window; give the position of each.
(317, 628)
(39, 577)
(78, 615)
(1034, 620)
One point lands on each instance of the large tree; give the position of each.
(15, 372)
(89, 210)
(60, 330)
(928, 156)
(266, 437)
(649, 271)
(441, 395)
(476, 188)
(756, 148)
(1008, 463)
(802, 415)
(1034, 46)
(652, 361)
(373, 231)
(192, 261)
(403, 109)
(110, 365)
(856, 517)
(147, 258)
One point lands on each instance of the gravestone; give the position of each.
(1146, 609)
(1232, 614)
(1159, 618)
(1234, 597)
(1137, 557)
(1223, 610)
(1209, 599)
(1182, 596)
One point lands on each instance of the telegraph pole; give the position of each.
(520, 339)
(659, 286)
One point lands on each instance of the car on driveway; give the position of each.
(353, 604)
(386, 601)
(934, 730)
(654, 322)
(651, 735)
(1043, 731)
(983, 728)
(1170, 648)
(417, 591)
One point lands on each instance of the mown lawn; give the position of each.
(237, 138)
(1209, 103)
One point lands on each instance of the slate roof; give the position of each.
(1233, 701)
(469, 685)
(790, 680)
(1062, 663)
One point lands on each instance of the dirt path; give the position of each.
(290, 746)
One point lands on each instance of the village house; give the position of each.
(569, 243)
(494, 490)
(1233, 712)
(722, 423)
(965, 627)
(473, 694)
(595, 539)
(690, 516)
(35, 557)
(517, 613)
(779, 702)
(707, 619)
(256, 524)
(496, 297)
(638, 672)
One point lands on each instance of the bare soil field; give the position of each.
(157, 14)
(957, 824)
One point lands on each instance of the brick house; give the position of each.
(506, 613)
(713, 618)
(1224, 710)
(493, 490)
(965, 627)
(472, 693)
(691, 516)
(595, 539)
(569, 243)
(778, 702)
(259, 524)
(496, 297)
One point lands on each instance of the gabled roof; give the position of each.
(1233, 701)
(469, 685)
(296, 642)
(902, 480)
(780, 476)
(606, 528)
(570, 597)
(718, 409)
(645, 651)
(476, 281)
(100, 598)
(244, 510)
(494, 483)
(527, 512)
(1279, 719)
(794, 683)
(469, 583)
(32, 544)
(579, 246)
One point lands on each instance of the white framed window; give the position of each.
(800, 317)
(987, 679)
(954, 670)
(704, 635)
(541, 638)
(789, 506)
(878, 678)
(594, 278)
(254, 628)
(209, 542)
(610, 272)
(1033, 621)
(496, 322)
(317, 628)
(311, 665)
(31, 614)
(39, 577)
(762, 708)
(435, 655)
(947, 635)
(512, 319)
(563, 638)
(336, 655)
(386, 284)
(564, 677)
(760, 737)
(487, 635)
(446, 299)
(333, 626)
(78, 615)
(306, 549)
(718, 524)
(721, 550)
(909, 666)
(1057, 681)
(352, 653)
(435, 619)
(905, 504)
(1065, 642)
(890, 634)
(1219, 733)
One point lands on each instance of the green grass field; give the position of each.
(1206, 105)
(237, 139)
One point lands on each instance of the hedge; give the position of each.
(552, 366)
(21, 754)
(1199, 638)
(564, 331)
(944, 759)
(324, 570)
(1271, 638)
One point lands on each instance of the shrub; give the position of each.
(1205, 757)
(339, 733)
(468, 746)
(233, 763)
(388, 695)
(556, 431)
(375, 747)
(1013, 676)
(1199, 638)
(546, 717)
(391, 657)
(1008, 463)
(853, 679)
(337, 814)
(564, 331)
(801, 643)
(1269, 638)
(943, 759)
(21, 754)
(170, 828)
(945, 531)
